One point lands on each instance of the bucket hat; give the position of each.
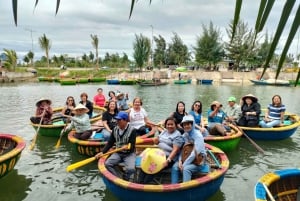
(43, 99)
(251, 96)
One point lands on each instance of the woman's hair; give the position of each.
(71, 97)
(170, 119)
(182, 104)
(112, 93)
(137, 98)
(116, 108)
(200, 107)
(84, 94)
(275, 97)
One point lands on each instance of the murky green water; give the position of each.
(40, 174)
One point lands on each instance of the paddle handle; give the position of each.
(87, 161)
(268, 192)
(37, 131)
(250, 140)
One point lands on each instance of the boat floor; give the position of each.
(164, 176)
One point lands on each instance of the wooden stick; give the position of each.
(37, 131)
(268, 192)
(250, 140)
(60, 136)
(87, 161)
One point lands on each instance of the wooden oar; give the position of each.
(250, 140)
(268, 192)
(36, 133)
(60, 136)
(87, 161)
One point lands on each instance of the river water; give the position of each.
(40, 174)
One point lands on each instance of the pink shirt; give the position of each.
(99, 100)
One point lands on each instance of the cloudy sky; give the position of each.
(70, 30)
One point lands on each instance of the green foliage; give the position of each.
(142, 49)
(241, 47)
(95, 43)
(11, 59)
(209, 49)
(159, 57)
(177, 52)
(45, 45)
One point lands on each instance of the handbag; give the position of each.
(187, 150)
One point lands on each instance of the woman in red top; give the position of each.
(99, 99)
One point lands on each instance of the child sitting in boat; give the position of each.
(275, 113)
(80, 122)
(43, 113)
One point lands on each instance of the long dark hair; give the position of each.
(182, 104)
(199, 108)
(116, 109)
(279, 99)
(71, 97)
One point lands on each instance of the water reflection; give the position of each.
(14, 186)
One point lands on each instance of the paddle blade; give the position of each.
(33, 142)
(58, 143)
(80, 163)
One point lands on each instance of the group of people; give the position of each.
(181, 129)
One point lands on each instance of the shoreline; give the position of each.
(169, 76)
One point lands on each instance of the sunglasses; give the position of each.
(197, 105)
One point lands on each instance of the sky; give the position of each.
(70, 30)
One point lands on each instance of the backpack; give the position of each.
(187, 150)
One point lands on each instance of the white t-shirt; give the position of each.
(137, 118)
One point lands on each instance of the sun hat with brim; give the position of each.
(187, 118)
(251, 96)
(231, 99)
(119, 94)
(81, 107)
(152, 160)
(122, 115)
(216, 103)
(43, 99)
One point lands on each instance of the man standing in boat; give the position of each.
(122, 135)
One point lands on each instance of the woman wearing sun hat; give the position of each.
(187, 167)
(250, 111)
(80, 122)
(43, 110)
(122, 101)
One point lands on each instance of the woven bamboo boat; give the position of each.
(292, 122)
(200, 188)
(54, 130)
(92, 147)
(226, 143)
(281, 185)
(11, 147)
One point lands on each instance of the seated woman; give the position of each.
(122, 101)
(80, 122)
(88, 104)
(43, 113)
(250, 111)
(138, 117)
(170, 141)
(69, 107)
(188, 165)
(196, 112)
(179, 114)
(108, 119)
(275, 113)
(216, 118)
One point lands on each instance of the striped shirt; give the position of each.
(275, 111)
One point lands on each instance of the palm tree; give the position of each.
(95, 43)
(11, 61)
(45, 45)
